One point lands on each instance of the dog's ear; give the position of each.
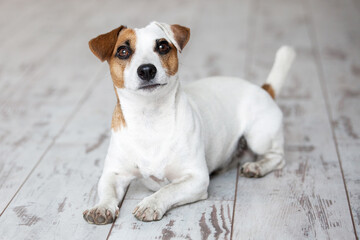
(103, 45)
(181, 35)
(177, 34)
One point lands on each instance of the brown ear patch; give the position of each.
(103, 45)
(269, 89)
(118, 120)
(181, 35)
(117, 66)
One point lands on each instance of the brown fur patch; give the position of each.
(118, 120)
(269, 89)
(102, 46)
(117, 66)
(169, 61)
(181, 35)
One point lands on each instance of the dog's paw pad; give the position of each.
(148, 210)
(251, 170)
(100, 215)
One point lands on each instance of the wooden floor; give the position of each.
(56, 101)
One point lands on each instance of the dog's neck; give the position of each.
(152, 111)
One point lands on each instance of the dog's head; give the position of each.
(144, 60)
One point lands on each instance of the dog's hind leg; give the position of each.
(265, 137)
(268, 145)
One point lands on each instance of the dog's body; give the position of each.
(173, 136)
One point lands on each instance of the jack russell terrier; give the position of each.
(172, 136)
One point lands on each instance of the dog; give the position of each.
(173, 136)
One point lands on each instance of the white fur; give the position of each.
(283, 61)
(175, 135)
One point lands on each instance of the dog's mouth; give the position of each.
(151, 86)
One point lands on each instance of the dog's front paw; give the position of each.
(251, 169)
(101, 214)
(149, 210)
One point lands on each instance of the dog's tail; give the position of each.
(283, 60)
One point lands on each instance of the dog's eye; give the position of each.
(123, 52)
(163, 47)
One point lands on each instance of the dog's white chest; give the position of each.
(152, 170)
(153, 174)
(150, 151)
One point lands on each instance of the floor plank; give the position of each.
(29, 38)
(43, 212)
(54, 91)
(56, 103)
(209, 219)
(29, 122)
(297, 202)
(51, 202)
(339, 63)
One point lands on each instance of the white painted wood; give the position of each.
(33, 116)
(200, 220)
(50, 204)
(33, 31)
(218, 40)
(307, 198)
(34, 113)
(41, 219)
(35, 78)
(9, 19)
(53, 102)
(339, 60)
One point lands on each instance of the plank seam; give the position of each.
(251, 35)
(120, 205)
(72, 115)
(324, 91)
(233, 213)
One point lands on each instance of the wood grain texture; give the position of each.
(214, 28)
(29, 38)
(201, 220)
(37, 101)
(307, 198)
(64, 184)
(56, 103)
(34, 113)
(209, 219)
(339, 64)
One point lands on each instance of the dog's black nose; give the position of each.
(146, 71)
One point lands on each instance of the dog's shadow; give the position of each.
(241, 155)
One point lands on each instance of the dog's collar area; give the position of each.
(151, 86)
